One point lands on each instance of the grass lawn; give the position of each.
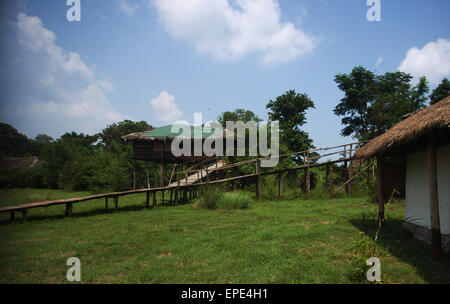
(294, 241)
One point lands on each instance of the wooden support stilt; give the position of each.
(116, 203)
(13, 215)
(106, 203)
(24, 215)
(171, 197)
(434, 199)
(147, 199)
(280, 186)
(154, 199)
(258, 181)
(147, 176)
(69, 211)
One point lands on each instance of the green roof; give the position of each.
(166, 131)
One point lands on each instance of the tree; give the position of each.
(13, 143)
(115, 131)
(289, 110)
(441, 92)
(374, 103)
(237, 115)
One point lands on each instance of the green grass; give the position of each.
(296, 241)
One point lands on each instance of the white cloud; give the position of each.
(129, 9)
(57, 90)
(166, 108)
(432, 61)
(378, 63)
(230, 30)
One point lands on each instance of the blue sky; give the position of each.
(161, 61)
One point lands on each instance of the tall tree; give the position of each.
(115, 131)
(13, 143)
(374, 103)
(289, 110)
(237, 115)
(441, 92)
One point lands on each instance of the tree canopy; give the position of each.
(374, 103)
(441, 92)
(290, 110)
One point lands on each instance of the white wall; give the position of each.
(417, 210)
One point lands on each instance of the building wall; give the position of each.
(417, 209)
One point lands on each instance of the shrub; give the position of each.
(234, 200)
(209, 195)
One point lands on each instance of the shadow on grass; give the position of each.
(87, 213)
(401, 243)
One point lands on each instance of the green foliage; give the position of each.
(237, 115)
(374, 103)
(13, 143)
(290, 110)
(441, 92)
(208, 197)
(115, 131)
(234, 200)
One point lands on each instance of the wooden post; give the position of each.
(350, 175)
(258, 182)
(161, 181)
(24, 215)
(178, 186)
(69, 212)
(13, 215)
(171, 197)
(434, 198)
(116, 203)
(147, 175)
(106, 203)
(154, 198)
(380, 188)
(147, 199)
(308, 180)
(346, 167)
(280, 186)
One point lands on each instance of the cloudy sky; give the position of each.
(163, 60)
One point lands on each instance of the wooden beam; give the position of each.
(380, 187)
(434, 198)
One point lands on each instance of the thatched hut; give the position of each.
(414, 156)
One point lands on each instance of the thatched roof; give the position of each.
(138, 136)
(412, 127)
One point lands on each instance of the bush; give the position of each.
(234, 200)
(209, 195)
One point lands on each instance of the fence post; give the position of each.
(350, 173)
(331, 179)
(308, 181)
(258, 182)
